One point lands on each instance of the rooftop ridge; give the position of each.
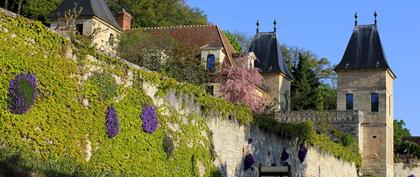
(173, 27)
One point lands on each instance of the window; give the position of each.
(111, 40)
(211, 59)
(210, 89)
(374, 102)
(349, 101)
(79, 28)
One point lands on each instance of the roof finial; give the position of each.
(258, 26)
(275, 25)
(375, 15)
(355, 19)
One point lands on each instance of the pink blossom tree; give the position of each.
(239, 84)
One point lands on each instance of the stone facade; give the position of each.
(377, 127)
(403, 170)
(232, 142)
(347, 121)
(278, 90)
(104, 36)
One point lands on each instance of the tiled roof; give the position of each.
(196, 36)
(364, 50)
(90, 8)
(266, 47)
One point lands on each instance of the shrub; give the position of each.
(112, 123)
(149, 118)
(168, 145)
(302, 153)
(22, 93)
(249, 161)
(105, 85)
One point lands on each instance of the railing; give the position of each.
(333, 116)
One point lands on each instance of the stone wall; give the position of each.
(232, 142)
(347, 121)
(403, 170)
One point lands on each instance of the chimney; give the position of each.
(124, 19)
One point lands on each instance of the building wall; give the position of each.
(232, 142)
(346, 121)
(99, 28)
(377, 127)
(278, 90)
(404, 170)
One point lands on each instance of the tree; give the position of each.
(34, 9)
(314, 80)
(150, 13)
(399, 132)
(239, 85)
(234, 41)
(163, 54)
(305, 88)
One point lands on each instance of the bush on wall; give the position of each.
(101, 85)
(22, 93)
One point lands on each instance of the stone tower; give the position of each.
(267, 49)
(365, 83)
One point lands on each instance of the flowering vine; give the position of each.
(149, 118)
(302, 153)
(112, 122)
(249, 161)
(22, 93)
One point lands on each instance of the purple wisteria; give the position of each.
(302, 153)
(249, 161)
(149, 118)
(284, 155)
(112, 122)
(411, 176)
(22, 93)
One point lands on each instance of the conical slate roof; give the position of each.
(266, 48)
(90, 8)
(364, 50)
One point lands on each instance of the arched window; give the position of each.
(374, 102)
(211, 59)
(111, 39)
(349, 101)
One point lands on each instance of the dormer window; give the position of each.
(374, 102)
(211, 59)
(349, 101)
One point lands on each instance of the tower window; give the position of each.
(211, 59)
(79, 28)
(374, 102)
(349, 101)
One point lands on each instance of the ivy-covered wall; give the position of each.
(66, 131)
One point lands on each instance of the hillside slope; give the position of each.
(64, 133)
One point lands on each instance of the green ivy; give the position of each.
(306, 133)
(52, 138)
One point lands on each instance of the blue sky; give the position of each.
(325, 26)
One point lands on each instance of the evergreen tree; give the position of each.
(305, 87)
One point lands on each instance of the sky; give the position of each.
(325, 27)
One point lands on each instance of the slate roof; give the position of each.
(97, 8)
(415, 139)
(196, 36)
(364, 50)
(266, 47)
